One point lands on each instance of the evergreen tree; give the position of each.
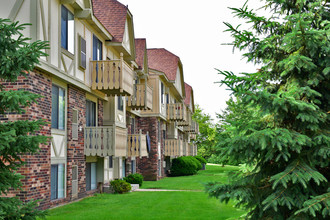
(232, 120)
(17, 57)
(287, 142)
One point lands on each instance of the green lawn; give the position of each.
(147, 205)
(212, 173)
(156, 205)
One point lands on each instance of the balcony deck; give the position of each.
(176, 112)
(188, 120)
(193, 128)
(112, 77)
(137, 145)
(141, 98)
(173, 147)
(105, 141)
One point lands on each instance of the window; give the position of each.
(133, 166)
(75, 124)
(57, 181)
(90, 176)
(120, 103)
(133, 126)
(58, 107)
(162, 93)
(82, 54)
(97, 48)
(67, 30)
(110, 162)
(90, 113)
(159, 168)
(124, 167)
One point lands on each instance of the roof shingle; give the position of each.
(140, 47)
(112, 14)
(188, 90)
(162, 60)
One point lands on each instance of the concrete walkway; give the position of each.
(165, 190)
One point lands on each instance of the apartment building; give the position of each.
(112, 106)
(168, 117)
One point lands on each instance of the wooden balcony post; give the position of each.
(120, 74)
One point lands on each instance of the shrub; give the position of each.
(199, 164)
(184, 166)
(201, 159)
(135, 178)
(120, 186)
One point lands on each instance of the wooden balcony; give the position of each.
(112, 77)
(141, 98)
(137, 145)
(188, 120)
(173, 147)
(193, 128)
(184, 149)
(105, 141)
(192, 149)
(176, 112)
(193, 136)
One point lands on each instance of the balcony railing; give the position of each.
(188, 120)
(184, 149)
(113, 77)
(192, 149)
(137, 145)
(176, 112)
(193, 128)
(105, 141)
(193, 136)
(141, 98)
(173, 147)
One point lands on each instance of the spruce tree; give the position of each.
(17, 57)
(287, 141)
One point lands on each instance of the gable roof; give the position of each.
(164, 61)
(112, 14)
(188, 89)
(140, 48)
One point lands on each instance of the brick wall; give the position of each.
(36, 183)
(148, 167)
(100, 112)
(75, 150)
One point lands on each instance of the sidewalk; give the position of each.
(165, 190)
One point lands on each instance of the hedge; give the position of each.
(135, 178)
(184, 166)
(120, 186)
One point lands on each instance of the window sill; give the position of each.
(58, 131)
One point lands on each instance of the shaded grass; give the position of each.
(147, 205)
(213, 173)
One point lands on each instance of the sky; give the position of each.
(194, 31)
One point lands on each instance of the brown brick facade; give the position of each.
(149, 167)
(36, 183)
(36, 171)
(75, 151)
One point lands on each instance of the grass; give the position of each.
(147, 205)
(213, 173)
(156, 205)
